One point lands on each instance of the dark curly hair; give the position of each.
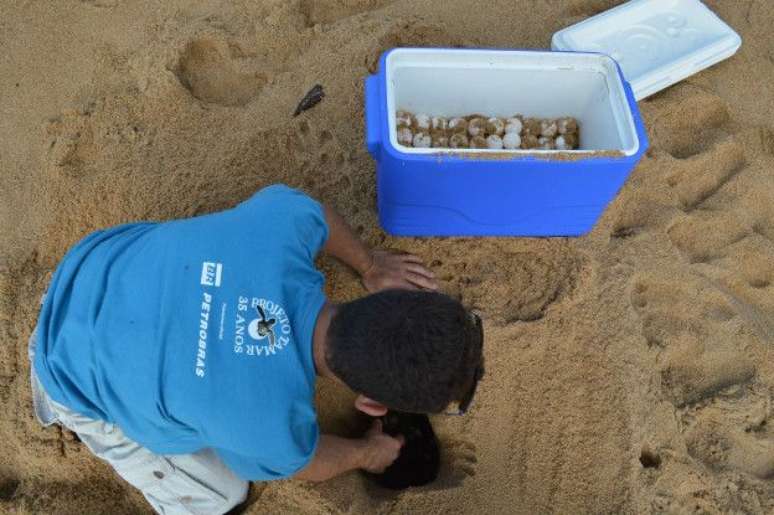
(413, 351)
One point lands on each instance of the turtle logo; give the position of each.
(260, 328)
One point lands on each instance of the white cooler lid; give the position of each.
(656, 42)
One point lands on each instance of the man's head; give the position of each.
(413, 351)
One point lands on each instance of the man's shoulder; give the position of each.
(281, 193)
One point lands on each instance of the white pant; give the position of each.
(198, 483)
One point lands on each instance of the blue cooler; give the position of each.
(483, 192)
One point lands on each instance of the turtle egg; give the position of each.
(494, 141)
(458, 140)
(567, 142)
(458, 125)
(478, 142)
(495, 126)
(531, 126)
(422, 140)
(404, 119)
(529, 141)
(439, 123)
(511, 140)
(548, 128)
(405, 136)
(567, 125)
(476, 127)
(513, 126)
(545, 143)
(422, 122)
(440, 139)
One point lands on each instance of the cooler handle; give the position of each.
(372, 120)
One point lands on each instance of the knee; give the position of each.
(237, 494)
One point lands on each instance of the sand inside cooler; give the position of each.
(451, 83)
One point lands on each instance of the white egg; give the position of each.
(511, 140)
(422, 140)
(546, 143)
(405, 136)
(567, 142)
(439, 123)
(513, 126)
(422, 121)
(494, 141)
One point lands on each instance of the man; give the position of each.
(185, 353)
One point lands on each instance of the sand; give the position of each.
(629, 371)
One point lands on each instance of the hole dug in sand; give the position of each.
(419, 459)
(520, 286)
(206, 69)
(8, 489)
(649, 459)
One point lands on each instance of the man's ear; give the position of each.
(370, 406)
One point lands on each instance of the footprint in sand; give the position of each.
(700, 176)
(70, 140)
(705, 373)
(722, 447)
(725, 233)
(726, 225)
(692, 371)
(212, 72)
(517, 286)
(693, 324)
(686, 120)
(323, 160)
(726, 228)
(706, 236)
(692, 141)
(669, 307)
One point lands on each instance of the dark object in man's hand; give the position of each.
(420, 457)
(311, 99)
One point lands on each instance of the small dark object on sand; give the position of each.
(420, 457)
(311, 99)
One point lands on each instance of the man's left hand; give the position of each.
(390, 270)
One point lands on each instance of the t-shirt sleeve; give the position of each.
(291, 213)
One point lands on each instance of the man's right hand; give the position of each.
(380, 449)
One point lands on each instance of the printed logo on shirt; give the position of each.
(262, 327)
(204, 322)
(211, 273)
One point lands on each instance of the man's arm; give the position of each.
(344, 245)
(335, 455)
(380, 270)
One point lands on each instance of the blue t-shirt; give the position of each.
(195, 333)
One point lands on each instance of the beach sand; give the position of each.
(628, 371)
